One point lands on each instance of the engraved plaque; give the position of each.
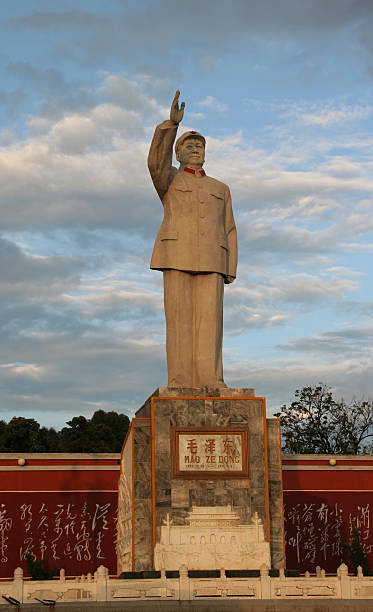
(210, 452)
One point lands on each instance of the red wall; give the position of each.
(59, 508)
(322, 504)
(63, 508)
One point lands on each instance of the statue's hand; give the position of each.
(176, 113)
(229, 279)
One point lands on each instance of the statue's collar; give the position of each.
(192, 171)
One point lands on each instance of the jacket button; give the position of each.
(202, 233)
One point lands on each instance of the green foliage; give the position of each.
(316, 423)
(356, 552)
(25, 435)
(104, 433)
(38, 568)
(117, 424)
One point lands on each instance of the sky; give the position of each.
(283, 91)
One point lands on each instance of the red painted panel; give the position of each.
(326, 461)
(65, 480)
(350, 480)
(73, 531)
(67, 461)
(317, 523)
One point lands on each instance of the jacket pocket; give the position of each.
(183, 189)
(219, 196)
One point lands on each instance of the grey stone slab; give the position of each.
(275, 493)
(162, 479)
(240, 483)
(210, 497)
(142, 501)
(179, 515)
(223, 497)
(198, 497)
(179, 495)
(222, 420)
(162, 465)
(143, 486)
(241, 497)
(257, 478)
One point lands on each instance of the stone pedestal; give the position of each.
(201, 478)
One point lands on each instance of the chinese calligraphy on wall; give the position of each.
(73, 531)
(316, 527)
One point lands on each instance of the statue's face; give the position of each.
(191, 153)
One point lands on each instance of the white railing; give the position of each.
(100, 587)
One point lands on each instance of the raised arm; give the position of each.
(160, 153)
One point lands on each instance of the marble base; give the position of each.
(157, 498)
(212, 538)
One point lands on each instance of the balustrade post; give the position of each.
(18, 584)
(184, 584)
(265, 582)
(345, 581)
(101, 583)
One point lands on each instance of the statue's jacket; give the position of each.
(198, 232)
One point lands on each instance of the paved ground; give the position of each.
(321, 605)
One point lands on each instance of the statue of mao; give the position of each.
(196, 248)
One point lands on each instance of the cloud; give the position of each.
(82, 318)
(240, 318)
(278, 380)
(212, 104)
(23, 275)
(71, 338)
(60, 95)
(89, 366)
(123, 31)
(11, 101)
(353, 342)
(7, 137)
(243, 15)
(322, 114)
(87, 170)
(261, 299)
(329, 116)
(125, 93)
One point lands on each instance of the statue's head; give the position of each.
(190, 149)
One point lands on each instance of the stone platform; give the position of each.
(321, 605)
(209, 452)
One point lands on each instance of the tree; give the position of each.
(104, 433)
(39, 569)
(83, 436)
(26, 436)
(316, 423)
(48, 440)
(117, 423)
(21, 433)
(356, 552)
